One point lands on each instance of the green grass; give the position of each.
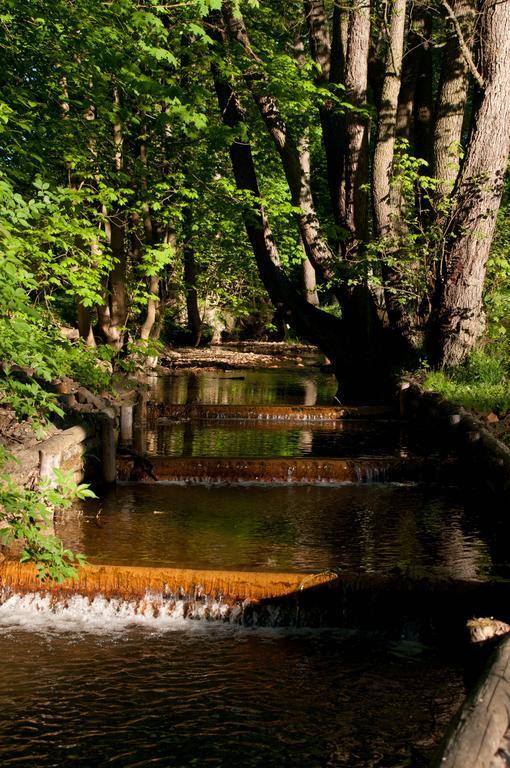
(482, 384)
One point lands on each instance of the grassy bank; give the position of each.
(481, 385)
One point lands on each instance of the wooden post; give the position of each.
(109, 449)
(126, 424)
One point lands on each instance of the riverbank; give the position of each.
(238, 355)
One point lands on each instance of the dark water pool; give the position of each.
(218, 696)
(368, 527)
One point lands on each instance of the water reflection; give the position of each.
(273, 439)
(245, 387)
(371, 528)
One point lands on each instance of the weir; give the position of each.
(287, 413)
(427, 609)
(224, 556)
(286, 471)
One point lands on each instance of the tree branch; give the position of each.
(463, 45)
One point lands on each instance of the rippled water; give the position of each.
(368, 527)
(218, 696)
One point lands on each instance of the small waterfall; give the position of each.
(396, 603)
(371, 472)
(100, 614)
(111, 597)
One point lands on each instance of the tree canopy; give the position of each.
(345, 162)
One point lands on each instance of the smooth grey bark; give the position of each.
(355, 218)
(386, 193)
(327, 49)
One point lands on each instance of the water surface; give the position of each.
(218, 696)
(372, 528)
(348, 438)
(272, 386)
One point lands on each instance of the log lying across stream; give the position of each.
(290, 413)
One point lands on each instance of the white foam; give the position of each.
(38, 611)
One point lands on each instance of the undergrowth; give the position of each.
(482, 384)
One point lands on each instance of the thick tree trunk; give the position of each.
(451, 101)
(384, 209)
(458, 320)
(338, 339)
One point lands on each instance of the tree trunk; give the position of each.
(312, 323)
(384, 210)
(386, 195)
(190, 281)
(328, 53)
(458, 320)
(113, 318)
(356, 129)
(295, 159)
(451, 101)
(309, 282)
(85, 325)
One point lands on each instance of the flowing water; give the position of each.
(95, 682)
(206, 695)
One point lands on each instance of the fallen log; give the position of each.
(479, 736)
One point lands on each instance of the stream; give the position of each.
(96, 683)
